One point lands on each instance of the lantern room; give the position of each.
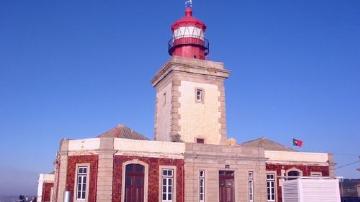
(188, 38)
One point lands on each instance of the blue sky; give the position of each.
(73, 69)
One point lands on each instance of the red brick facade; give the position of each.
(71, 171)
(305, 169)
(46, 191)
(153, 186)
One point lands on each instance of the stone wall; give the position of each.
(215, 158)
(188, 119)
(199, 120)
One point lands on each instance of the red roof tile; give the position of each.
(121, 131)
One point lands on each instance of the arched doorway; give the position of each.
(134, 183)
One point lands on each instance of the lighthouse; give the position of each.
(188, 38)
(190, 93)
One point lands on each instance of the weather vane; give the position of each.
(188, 3)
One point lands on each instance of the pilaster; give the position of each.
(105, 170)
(62, 172)
(331, 165)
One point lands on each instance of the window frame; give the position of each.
(77, 167)
(200, 140)
(146, 178)
(173, 190)
(202, 183)
(202, 95)
(274, 186)
(292, 170)
(251, 186)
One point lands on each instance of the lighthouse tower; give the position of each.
(188, 37)
(190, 93)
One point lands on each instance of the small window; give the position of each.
(199, 95)
(164, 99)
(81, 182)
(201, 186)
(251, 186)
(200, 140)
(316, 174)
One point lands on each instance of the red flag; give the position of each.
(298, 143)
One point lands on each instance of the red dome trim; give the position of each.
(188, 20)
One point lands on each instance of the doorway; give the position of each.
(226, 186)
(134, 183)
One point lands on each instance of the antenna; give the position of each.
(188, 3)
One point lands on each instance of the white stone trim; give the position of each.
(146, 178)
(289, 156)
(294, 169)
(149, 148)
(253, 185)
(87, 182)
(52, 193)
(202, 98)
(160, 181)
(43, 178)
(84, 144)
(315, 174)
(290, 163)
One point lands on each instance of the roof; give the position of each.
(122, 131)
(266, 144)
(188, 20)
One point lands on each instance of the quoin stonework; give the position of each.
(191, 158)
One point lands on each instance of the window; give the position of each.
(316, 174)
(199, 95)
(270, 186)
(164, 99)
(200, 140)
(167, 185)
(202, 186)
(293, 174)
(81, 182)
(251, 186)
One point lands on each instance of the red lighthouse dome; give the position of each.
(188, 38)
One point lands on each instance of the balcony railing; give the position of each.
(174, 43)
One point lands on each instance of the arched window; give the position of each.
(293, 174)
(134, 183)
